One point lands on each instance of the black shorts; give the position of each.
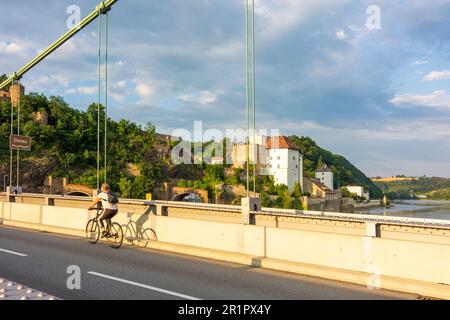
(108, 214)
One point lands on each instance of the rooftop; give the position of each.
(323, 168)
(281, 142)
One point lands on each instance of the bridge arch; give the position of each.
(188, 197)
(77, 194)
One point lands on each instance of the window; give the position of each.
(294, 158)
(278, 166)
(270, 158)
(296, 166)
(278, 158)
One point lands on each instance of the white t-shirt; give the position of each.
(105, 203)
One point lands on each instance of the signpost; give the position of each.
(18, 142)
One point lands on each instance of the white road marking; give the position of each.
(13, 252)
(172, 293)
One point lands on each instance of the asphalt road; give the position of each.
(40, 261)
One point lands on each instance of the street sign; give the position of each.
(19, 142)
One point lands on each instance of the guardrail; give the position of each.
(336, 216)
(414, 251)
(407, 221)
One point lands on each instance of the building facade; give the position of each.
(326, 176)
(274, 156)
(286, 166)
(360, 191)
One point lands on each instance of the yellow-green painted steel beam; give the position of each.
(101, 8)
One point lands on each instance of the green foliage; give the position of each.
(296, 204)
(345, 192)
(214, 174)
(4, 77)
(235, 179)
(433, 187)
(297, 191)
(70, 142)
(442, 194)
(265, 200)
(286, 200)
(125, 187)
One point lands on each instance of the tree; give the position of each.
(296, 204)
(140, 187)
(265, 200)
(297, 191)
(125, 186)
(345, 192)
(287, 200)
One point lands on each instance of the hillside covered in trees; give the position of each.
(345, 173)
(66, 147)
(436, 188)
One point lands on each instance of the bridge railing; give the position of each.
(170, 208)
(374, 246)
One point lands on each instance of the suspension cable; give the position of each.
(10, 147)
(106, 91)
(18, 130)
(99, 97)
(255, 153)
(247, 116)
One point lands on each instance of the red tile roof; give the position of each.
(281, 142)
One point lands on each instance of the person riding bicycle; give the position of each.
(108, 201)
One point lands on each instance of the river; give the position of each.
(431, 209)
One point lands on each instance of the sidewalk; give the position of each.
(13, 291)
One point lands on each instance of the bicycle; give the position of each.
(135, 234)
(95, 231)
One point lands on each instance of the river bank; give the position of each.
(431, 209)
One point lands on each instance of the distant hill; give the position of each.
(345, 172)
(433, 187)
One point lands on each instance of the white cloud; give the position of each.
(120, 85)
(437, 99)
(230, 49)
(419, 62)
(70, 91)
(87, 90)
(144, 90)
(82, 90)
(340, 34)
(281, 16)
(11, 47)
(437, 75)
(118, 91)
(203, 97)
(46, 82)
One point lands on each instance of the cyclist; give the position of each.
(108, 201)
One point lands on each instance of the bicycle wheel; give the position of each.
(115, 237)
(129, 234)
(148, 235)
(93, 231)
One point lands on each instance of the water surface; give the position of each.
(431, 209)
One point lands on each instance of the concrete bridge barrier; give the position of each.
(404, 254)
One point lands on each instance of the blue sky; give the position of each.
(379, 97)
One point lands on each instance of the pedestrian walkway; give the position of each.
(13, 291)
